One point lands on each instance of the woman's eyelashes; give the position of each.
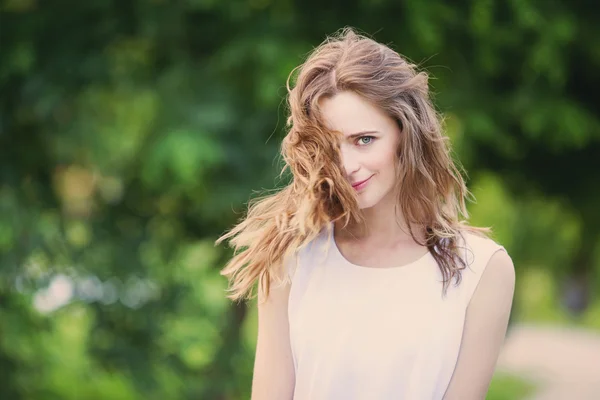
(371, 139)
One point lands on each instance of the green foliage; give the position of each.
(508, 387)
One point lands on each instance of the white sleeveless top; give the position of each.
(377, 334)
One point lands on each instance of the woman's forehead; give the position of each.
(350, 114)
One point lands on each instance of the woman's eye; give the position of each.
(370, 139)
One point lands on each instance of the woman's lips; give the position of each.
(361, 184)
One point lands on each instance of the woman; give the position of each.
(370, 285)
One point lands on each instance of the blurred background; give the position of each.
(133, 133)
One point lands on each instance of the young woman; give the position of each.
(370, 285)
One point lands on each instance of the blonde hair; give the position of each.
(433, 191)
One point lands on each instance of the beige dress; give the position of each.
(377, 333)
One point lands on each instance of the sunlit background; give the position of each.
(133, 133)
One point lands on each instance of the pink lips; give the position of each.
(361, 184)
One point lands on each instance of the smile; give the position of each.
(361, 184)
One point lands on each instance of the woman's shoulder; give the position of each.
(306, 253)
(487, 261)
(475, 242)
(477, 251)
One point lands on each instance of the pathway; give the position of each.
(563, 361)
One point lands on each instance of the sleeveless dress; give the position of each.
(377, 333)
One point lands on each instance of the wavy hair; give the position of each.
(433, 192)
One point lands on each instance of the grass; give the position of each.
(509, 387)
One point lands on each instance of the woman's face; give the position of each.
(369, 146)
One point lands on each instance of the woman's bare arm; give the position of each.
(485, 327)
(274, 376)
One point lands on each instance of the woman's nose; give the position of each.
(350, 161)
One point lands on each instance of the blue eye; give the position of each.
(366, 137)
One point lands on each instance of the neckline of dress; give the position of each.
(404, 267)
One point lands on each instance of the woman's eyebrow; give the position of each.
(361, 133)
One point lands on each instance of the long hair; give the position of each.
(432, 192)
